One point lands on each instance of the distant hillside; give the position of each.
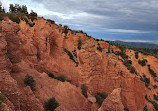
(139, 44)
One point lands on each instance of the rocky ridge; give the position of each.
(38, 50)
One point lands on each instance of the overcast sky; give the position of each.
(128, 20)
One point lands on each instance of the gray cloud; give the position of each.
(108, 14)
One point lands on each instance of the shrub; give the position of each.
(51, 21)
(152, 71)
(26, 20)
(122, 54)
(142, 62)
(149, 89)
(51, 75)
(152, 102)
(145, 108)
(33, 18)
(155, 86)
(51, 104)
(99, 48)
(132, 69)
(126, 109)
(29, 81)
(100, 98)
(71, 56)
(69, 53)
(109, 49)
(79, 43)
(136, 55)
(145, 79)
(2, 98)
(33, 15)
(62, 78)
(74, 53)
(127, 62)
(155, 97)
(84, 90)
(14, 18)
(65, 30)
(31, 24)
(1, 18)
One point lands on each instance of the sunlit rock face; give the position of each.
(39, 50)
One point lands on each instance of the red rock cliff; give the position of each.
(39, 50)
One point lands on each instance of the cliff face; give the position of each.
(39, 50)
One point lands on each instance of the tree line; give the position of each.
(16, 8)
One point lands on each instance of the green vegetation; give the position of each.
(155, 86)
(51, 75)
(2, 99)
(109, 51)
(145, 108)
(99, 48)
(122, 53)
(25, 19)
(74, 53)
(145, 79)
(51, 104)
(100, 98)
(70, 56)
(29, 81)
(2, 10)
(142, 62)
(136, 55)
(155, 97)
(128, 64)
(61, 78)
(152, 71)
(145, 51)
(51, 21)
(152, 102)
(32, 15)
(31, 24)
(69, 53)
(14, 18)
(132, 69)
(84, 90)
(18, 9)
(17, 12)
(126, 109)
(79, 43)
(65, 30)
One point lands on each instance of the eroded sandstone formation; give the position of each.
(39, 50)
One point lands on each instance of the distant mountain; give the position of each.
(138, 44)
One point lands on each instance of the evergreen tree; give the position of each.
(12, 8)
(24, 9)
(79, 43)
(2, 10)
(33, 13)
(109, 49)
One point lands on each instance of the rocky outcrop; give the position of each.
(113, 102)
(38, 51)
